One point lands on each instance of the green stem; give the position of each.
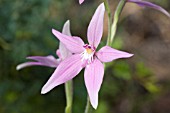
(88, 106)
(116, 19)
(106, 3)
(69, 96)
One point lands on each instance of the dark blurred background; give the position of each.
(140, 84)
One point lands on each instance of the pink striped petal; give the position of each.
(151, 5)
(48, 61)
(65, 71)
(107, 54)
(93, 77)
(64, 52)
(81, 1)
(95, 28)
(73, 44)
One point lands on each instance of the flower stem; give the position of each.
(69, 96)
(88, 106)
(106, 3)
(116, 19)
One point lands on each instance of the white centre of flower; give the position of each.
(88, 53)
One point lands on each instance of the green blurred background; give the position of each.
(140, 84)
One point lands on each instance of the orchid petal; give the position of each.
(107, 54)
(151, 5)
(73, 44)
(48, 61)
(95, 28)
(65, 71)
(81, 1)
(28, 64)
(66, 28)
(93, 77)
(64, 52)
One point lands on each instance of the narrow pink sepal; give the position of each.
(81, 1)
(27, 64)
(48, 61)
(66, 28)
(151, 5)
(73, 44)
(107, 54)
(93, 77)
(95, 28)
(65, 71)
(64, 52)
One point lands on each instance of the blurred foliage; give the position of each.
(26, 30)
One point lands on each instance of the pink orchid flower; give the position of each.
(49, 61)
(85, 55)
(81, 1)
